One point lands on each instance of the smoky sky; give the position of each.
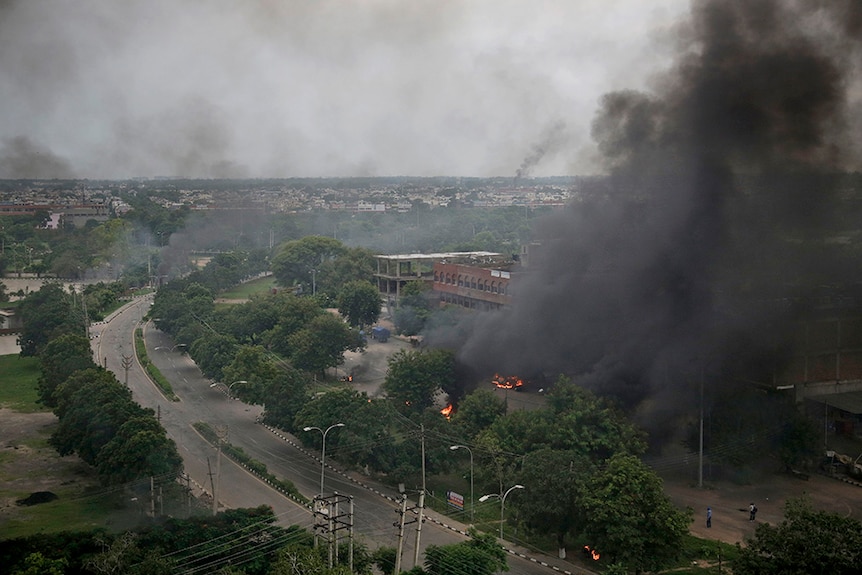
(690, 260)
(281, 88)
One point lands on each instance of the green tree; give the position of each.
(255, 366)
(47, 314)
(415, 376)
(630, 519)
(480, 555)
(296, 560)
(557, 481)
(359, 303)
(140, 448)
(38, 564)
(181, 304)
(476, 412)
(366, 428)
(806, 542)
(285, 396)
(322, 344)
(355, 264)
(384, 559)
(297, 261)
(60, 358)
(212, 352)
(91, 406)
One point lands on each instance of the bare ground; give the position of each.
(28, 464)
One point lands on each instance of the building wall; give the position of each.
(472, 287)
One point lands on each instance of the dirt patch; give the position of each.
(768, 491)
(28, 464)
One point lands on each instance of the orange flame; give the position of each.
(447, 411)
(510, 382)
(592, 552)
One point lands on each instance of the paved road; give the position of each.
(375, 507)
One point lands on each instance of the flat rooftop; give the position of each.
(441, 256)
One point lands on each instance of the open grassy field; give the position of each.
(28, 464)
(18, 377)
(246, 290)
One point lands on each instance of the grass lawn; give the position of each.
(18, 387)
(246, 290)
(28, 464)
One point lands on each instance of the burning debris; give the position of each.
(510, 382)
(591, 553)
(447, 411)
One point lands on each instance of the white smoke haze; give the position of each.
(287, 88)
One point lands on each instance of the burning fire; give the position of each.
(510, 382)
(347, 378)
(447, 411)
(591, 552)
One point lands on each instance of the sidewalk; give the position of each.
(769, 492)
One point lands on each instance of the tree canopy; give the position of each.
(415, 376)
(359, 303)
(805, 542)
(629, 519)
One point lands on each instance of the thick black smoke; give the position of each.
(679, 264)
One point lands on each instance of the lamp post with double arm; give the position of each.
(323, 449)
(502, 502)
(472, 501)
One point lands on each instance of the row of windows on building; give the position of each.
(469, 302)
(471, 282)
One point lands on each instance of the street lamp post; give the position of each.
(215, 383)
(502, 502)
(472, 501)
(323, 449)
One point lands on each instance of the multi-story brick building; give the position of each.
(472, 286)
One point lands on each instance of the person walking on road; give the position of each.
(752, 511)
(709, 516)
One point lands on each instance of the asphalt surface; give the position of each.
(375, 506)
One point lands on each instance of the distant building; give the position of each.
(78, 216)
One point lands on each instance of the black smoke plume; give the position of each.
(690, 258)
(551, 141)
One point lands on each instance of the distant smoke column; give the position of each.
(552, 139)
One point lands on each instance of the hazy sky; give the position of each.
(281, 88)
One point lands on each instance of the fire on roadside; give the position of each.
(447, 411)
(591, 553)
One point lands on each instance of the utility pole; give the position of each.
(400, 525)
(221, 432)
(329, 519)
(421, 519)
(127, 364)
(700, 450)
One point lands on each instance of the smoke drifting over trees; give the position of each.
(225, 89)
(719, 202)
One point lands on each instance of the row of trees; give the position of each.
(235, 542)
(578, 458)
(98, 420)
